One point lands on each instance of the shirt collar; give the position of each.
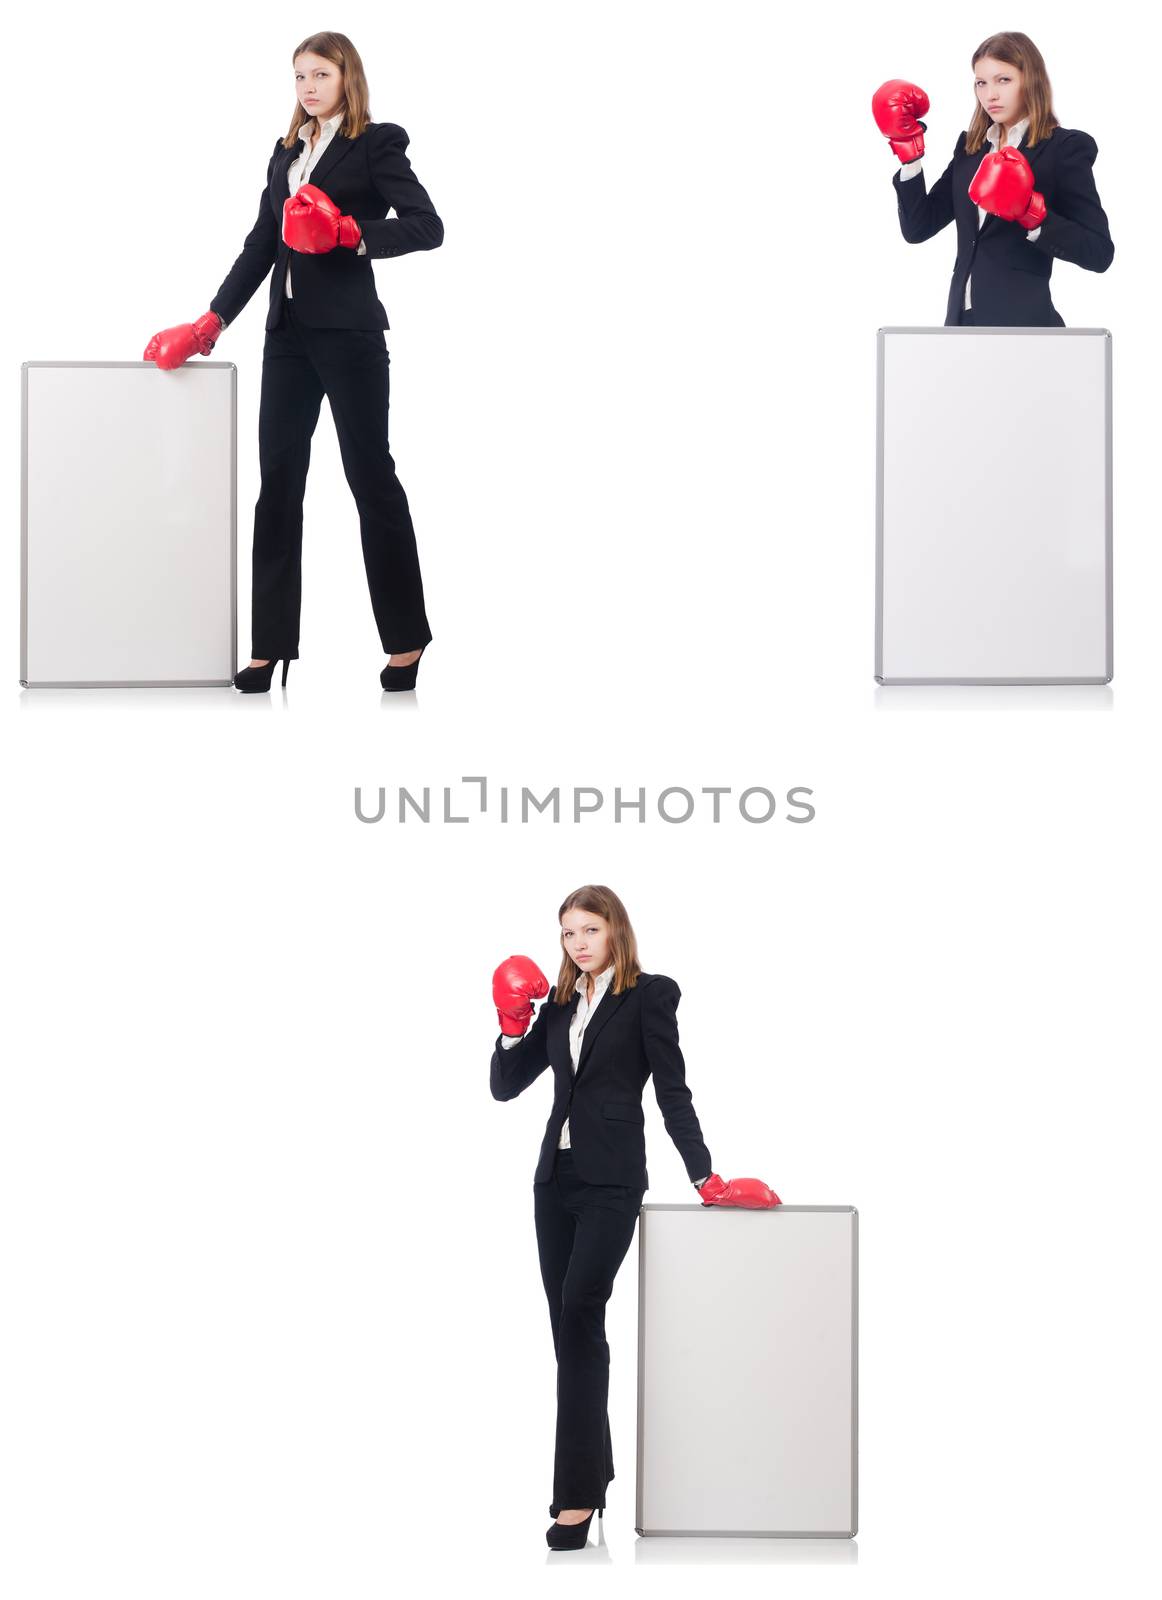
(1016, 133)
(602, 980)
(324, 127)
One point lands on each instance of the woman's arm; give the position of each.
(664, 1057)
(1075, 227)
(256, 258)
(513, 1069)
(415, 225)
(923, 214)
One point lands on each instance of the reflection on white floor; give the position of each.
(945, 697)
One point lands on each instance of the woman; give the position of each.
(1030, 197)
(321, 222)
(605, 1027)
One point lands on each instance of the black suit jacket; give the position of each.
(1010, 274)
(629, 1037)
(365, 177)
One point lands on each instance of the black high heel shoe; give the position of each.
(256, 680)
(570, 1536)
(395, 678)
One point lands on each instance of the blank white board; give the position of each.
(747, 1371)
(128, 524)
(994, 522)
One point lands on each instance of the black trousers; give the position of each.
(350, 366)
(583, 1233)
(967, 320)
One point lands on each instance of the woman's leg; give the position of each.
(605, 1217)
(555, 1229)
(292, 393)
(354, 365)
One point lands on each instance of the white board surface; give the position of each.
(747, 1364)
(129, 523)
(994, 517)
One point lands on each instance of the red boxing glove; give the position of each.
(312, 222)
(173, 346)
(516, 983)
(1004, 186)
(750, 1192)
(897, 107)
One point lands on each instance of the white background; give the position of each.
(273, 1323)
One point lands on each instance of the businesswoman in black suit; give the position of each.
(322, 219)
(605, 1028)
(1019, 187)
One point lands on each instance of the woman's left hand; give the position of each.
(1004, 185)
(313, 223)
(752, 1192)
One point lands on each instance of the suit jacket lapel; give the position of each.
(559, 1020)
(331, 156)
(610, 1003)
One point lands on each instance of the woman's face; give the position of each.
(1000, 90)
(585, 937)
(319, 86)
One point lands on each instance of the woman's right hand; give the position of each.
(173, 346)
(897, 107)
(516, 983)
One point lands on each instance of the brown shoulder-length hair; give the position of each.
(337, 49)
(604, 903)
(1018, 50)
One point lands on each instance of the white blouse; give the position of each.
(577, 1026)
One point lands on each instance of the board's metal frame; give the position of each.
(1054, 333)
(125, 683)
(773, 1216)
